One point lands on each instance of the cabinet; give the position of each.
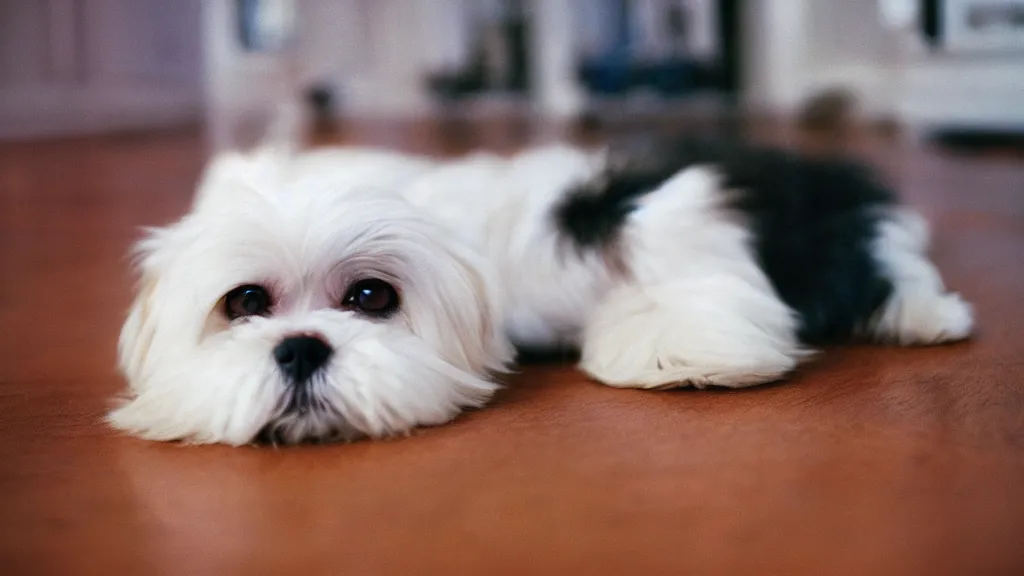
(79, 66)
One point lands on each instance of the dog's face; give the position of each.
(283, 308)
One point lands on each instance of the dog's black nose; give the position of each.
(300, 356)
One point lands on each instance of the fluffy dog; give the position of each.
(347, 293)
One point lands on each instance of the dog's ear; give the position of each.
(230, 176)
(227, 172)
(248, 170)
(140, 326)
(137, 332)
(484, 342)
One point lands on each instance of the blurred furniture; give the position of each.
(390, 58)
(897, 69)
(76, 66)
(964, 67)
(974, 26)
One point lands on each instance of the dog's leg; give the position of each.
(714, 331)
(920, 311)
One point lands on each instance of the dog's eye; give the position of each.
(371, 296)
(249, 300)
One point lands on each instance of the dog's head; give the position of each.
(287, 308)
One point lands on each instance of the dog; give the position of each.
(345, 293)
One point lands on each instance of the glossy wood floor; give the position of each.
(869, 461)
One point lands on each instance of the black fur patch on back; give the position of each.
(593, 213)
(813, 221)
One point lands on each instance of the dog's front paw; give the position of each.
(714, 331)
(636, 369)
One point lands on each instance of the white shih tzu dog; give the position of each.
(348, 293)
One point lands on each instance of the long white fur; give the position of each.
(472, 248)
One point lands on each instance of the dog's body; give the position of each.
(686, 264)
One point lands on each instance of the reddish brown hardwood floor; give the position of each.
(870, 461)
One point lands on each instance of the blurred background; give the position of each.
(935, 67)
